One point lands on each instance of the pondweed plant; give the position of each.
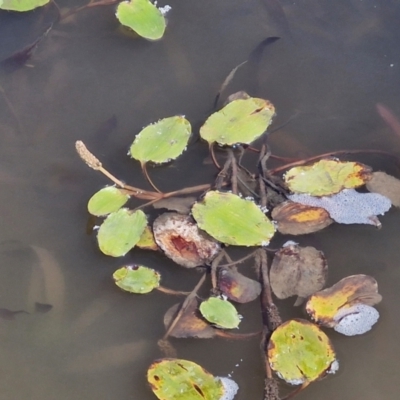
(243, 208)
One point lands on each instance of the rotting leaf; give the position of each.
(220, 313)
(240, 121)
(189, 323)
(300, 352)
(137, 279)
(299, 219)
(327, 177)
(162, 141)
(324, 305)
(182, 241)
(177, 379)
(143, 17)
(297, 270)
(147, 241)
(349, 206)
(120, 231)
(107, 200)
(236, 286)
(386, 185)
(22, 5)
(233, 220)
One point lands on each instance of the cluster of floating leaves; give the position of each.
(140, 16)
(315, 196)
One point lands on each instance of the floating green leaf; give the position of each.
(220, 312)
(137, 279)
(299, 352)
(176, 379)
(327, 177)
(143, 17)
(106, 201)
(162, 141)
(22, 5)
(120, 231)
(233, 220)
(240, 121)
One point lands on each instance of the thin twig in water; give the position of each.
(234, 181)
(191, 296)
(144, 169)
(211, 148)
(331, 154)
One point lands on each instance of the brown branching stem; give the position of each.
(271, 320)
(213, 158)
(214, 268)
(234, 175)
(146, 174)
(171, 291)
(93, 162)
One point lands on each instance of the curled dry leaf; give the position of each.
(236, 286)
(299, 219)
(324, 306)
(189, 323)
(386, 185)
(298, 271)
(182, 241)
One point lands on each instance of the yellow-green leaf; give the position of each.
(143, 17)
(107, 200)
(137, 279)
(327, 177)
(176, 379)
(22, 5)
(299, 352)
(220, 313)
(120, 231)
(240, 121)
(162, 141)
(233, 220)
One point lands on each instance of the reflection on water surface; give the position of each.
(333, 63)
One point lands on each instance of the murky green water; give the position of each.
(333, 63)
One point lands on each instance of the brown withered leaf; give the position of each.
(182, 241)
(298, 271)
(355, 289)
(385, 185)
(189, 325)
(236, 286)
(182, 205)
(299, 219)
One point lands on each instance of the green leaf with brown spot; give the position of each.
(176, 379)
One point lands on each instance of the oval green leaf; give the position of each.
(137, 279)
(240, 121)
(300, 352)
(233, 220)
(22, 5)
(162, 141)
(120, 231)
(175, 379)
(106, 201)
(143, 17)
(220, 312)
(327, 177)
